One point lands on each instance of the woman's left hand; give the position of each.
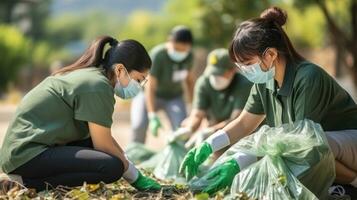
(221, 176)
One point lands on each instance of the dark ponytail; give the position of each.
(254, 36)
(130, 53)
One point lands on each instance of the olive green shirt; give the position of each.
(307, 92)
(169, 74)
(56, 112)
(219, 105)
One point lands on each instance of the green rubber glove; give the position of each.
(193, 159)
(222, 176)
(145, 183)
(154, 124)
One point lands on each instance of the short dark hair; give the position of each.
(181, 34)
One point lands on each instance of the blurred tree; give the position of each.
(6, 9)
(219, 18)
(28, 15)
(14, 48)
(341, 20)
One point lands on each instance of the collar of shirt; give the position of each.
(288, 81)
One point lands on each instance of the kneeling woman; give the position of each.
(61, 131)
(286, 88)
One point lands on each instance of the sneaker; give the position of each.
(9, 181)
(338, 192)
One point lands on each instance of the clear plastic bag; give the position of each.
(296, 163)
(138, 152)
(166, 163)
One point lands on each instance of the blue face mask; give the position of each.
(255, 74)
(128, 92)
(176, 55)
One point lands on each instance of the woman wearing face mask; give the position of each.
(287, 88)
(61, 131)
(219, 96)
(172, 62)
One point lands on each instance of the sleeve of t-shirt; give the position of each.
(254, 103)
(242, 95)
(312, 98)
(200, 98)
(156, 64)
(96, 107)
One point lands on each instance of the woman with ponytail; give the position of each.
(287, 88)
(61, 131)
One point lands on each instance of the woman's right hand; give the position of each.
(144, 183)
(138, 180)
(193, 159)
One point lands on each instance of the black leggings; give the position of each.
(70, 165)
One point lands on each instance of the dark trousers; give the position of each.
(70, 165)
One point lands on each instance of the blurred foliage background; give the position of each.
(37, 36)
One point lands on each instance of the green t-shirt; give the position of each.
(56, 112)
(219, 105)
(307, 92)
(169, 74)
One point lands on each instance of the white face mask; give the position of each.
(128, 92)
(255, 74)
(219, 82)
(177, 56)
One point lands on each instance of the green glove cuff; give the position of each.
(234, 163)
(135, 183)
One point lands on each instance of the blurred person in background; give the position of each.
(172, 64)
(219, 96)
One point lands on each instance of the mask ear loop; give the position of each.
(263, 55)
(126, 72)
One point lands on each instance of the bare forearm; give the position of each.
(195, 119)
(194, 123)
(220, 125)
(190, 86)
(242, 126)
(114, 149)
(150, 94)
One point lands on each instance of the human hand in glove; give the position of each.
(181, 134)
(154, 124)
(199, 137)
(193, 159)
(221, 176)
(138, 180)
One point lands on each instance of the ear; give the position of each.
(272, 53)
(117, 68)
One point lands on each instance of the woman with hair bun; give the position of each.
(286, 88)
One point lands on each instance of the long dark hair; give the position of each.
(130, 53)
(255, 35)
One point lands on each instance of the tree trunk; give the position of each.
(340, 39)
(353, 50)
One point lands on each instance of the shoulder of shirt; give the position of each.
(202, 81)
(89, 80)
(309, 73)
(158, 50)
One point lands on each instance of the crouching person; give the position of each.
(61, 131)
